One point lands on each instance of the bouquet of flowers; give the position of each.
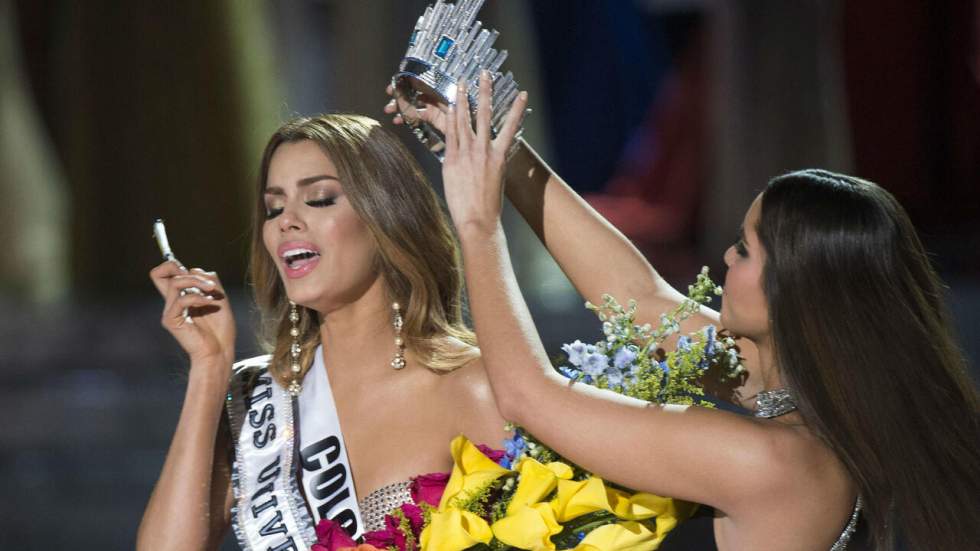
(528, 497)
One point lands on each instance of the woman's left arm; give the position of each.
(660, 449)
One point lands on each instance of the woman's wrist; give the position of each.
(211, 373)
(478, 231)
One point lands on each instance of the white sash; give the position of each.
(270, 513)
(327, 480)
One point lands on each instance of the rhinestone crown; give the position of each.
(448, 46)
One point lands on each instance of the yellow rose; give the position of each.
(472, 471)
(528, 527)
(454, 530)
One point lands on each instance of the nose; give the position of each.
(291, 220)
(729, 256)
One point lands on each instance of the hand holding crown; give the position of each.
(473, 167)
(448, 51)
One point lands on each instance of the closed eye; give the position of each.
(325, 202)
(271, 213)
(740, 247)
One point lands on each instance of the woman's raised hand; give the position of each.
(474, 164)
(202, 322)
(403, 112)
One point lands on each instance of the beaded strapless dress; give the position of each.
(380, 502)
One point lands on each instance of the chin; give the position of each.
(732, 325)
(302, 295)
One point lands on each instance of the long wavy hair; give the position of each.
(418, 256)
(862, 336)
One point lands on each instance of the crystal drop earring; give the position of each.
(398, 362)
(294, 349)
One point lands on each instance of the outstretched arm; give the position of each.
(661, 449)
(567, 225)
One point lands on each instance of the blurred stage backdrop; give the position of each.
(670, 115)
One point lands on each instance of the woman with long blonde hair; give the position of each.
(356, 273)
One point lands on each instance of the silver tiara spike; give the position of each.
(447, 46)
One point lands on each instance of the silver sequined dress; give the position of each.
(380, 502)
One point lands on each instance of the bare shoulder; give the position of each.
(470, 382)
(791, 461)
(471, 396)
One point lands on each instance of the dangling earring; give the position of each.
(398, 362)
(294, 387)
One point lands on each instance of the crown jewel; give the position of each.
(448, 46)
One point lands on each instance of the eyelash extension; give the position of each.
(740, 247)
(325, 202)
(318, 203)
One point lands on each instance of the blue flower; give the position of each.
(684, 343)
(710, 340)
(513, 448)
(625, 357)
(663, 366)
(569, 372)
(576, 352)
(595, 364)
(614, 376)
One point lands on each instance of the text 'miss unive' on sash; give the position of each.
(270, 513)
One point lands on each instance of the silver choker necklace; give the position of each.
(773, 403)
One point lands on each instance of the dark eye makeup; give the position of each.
(271, 213)
(740, 246)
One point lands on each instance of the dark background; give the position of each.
(670, 115)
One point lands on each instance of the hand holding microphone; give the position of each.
(196, 310)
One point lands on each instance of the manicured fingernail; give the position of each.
(523, 95)
(485, 74)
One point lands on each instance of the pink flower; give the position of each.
(392, 534)
(331, 537)
(494, 455)
(428, 488)
(415, 517)
(386, 538)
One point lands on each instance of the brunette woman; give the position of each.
(864, 409)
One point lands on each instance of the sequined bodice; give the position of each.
(380, 502)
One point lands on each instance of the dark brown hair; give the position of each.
(417, 253)
(862, 336)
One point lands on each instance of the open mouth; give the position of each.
(297, 258)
